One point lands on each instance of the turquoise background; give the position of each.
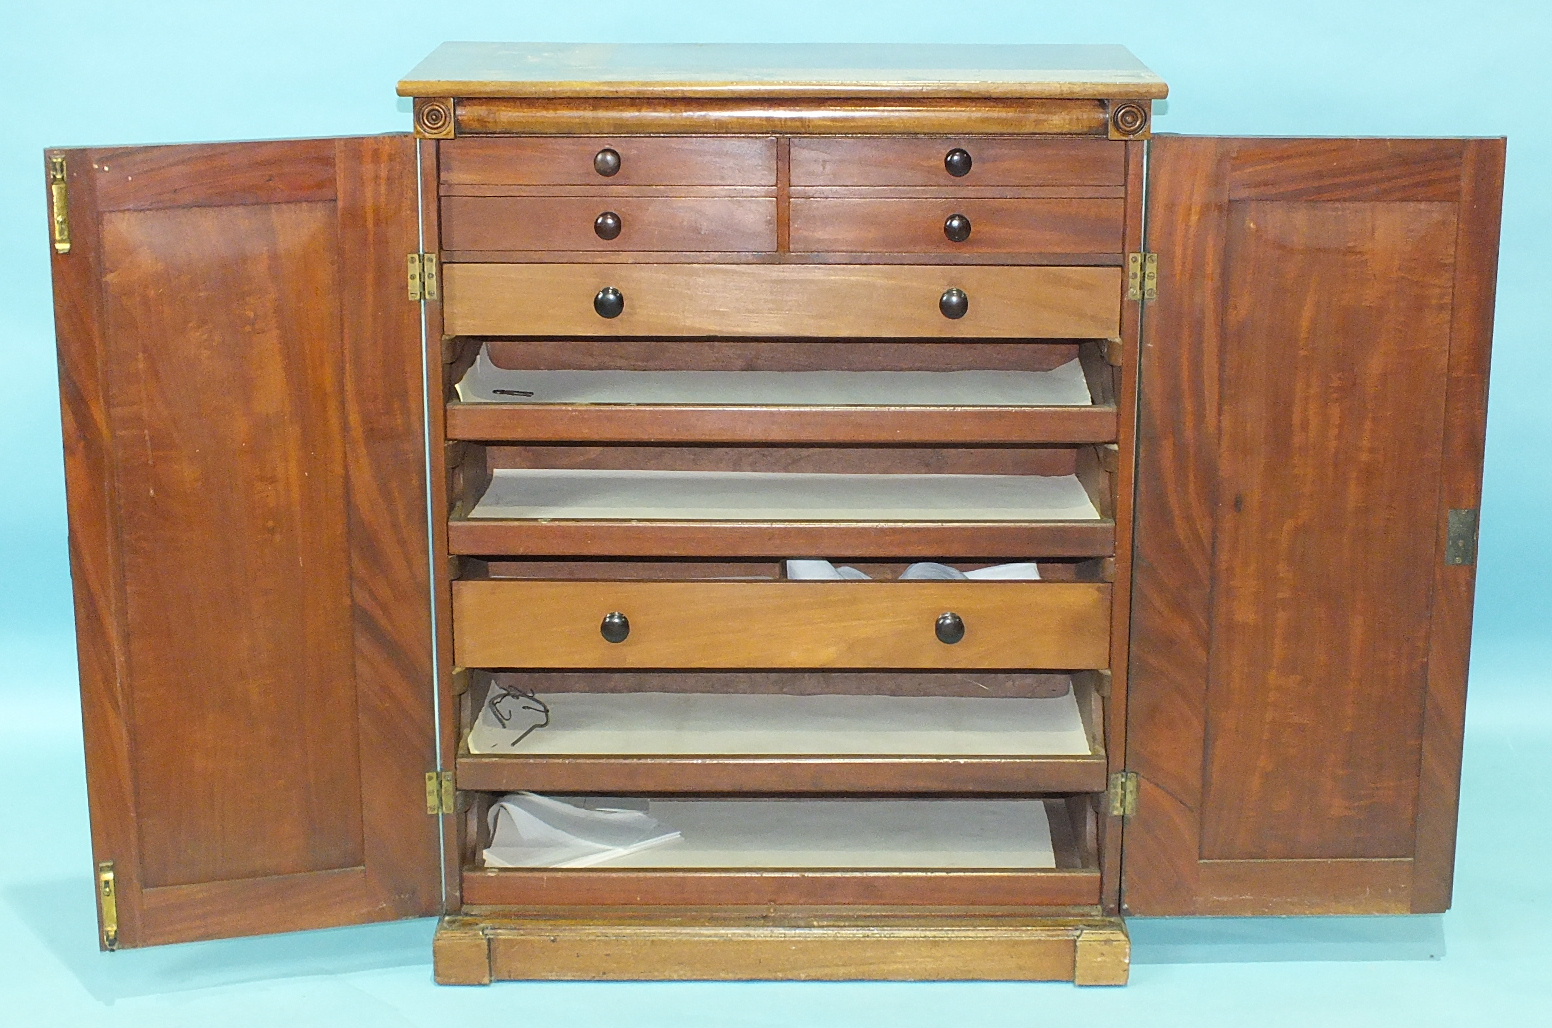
(77, 73)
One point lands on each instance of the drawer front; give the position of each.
(673, 223)
(546, 624)
(642, 161)
(923, 226)
(920, 161)
(837, 301)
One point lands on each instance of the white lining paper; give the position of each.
(657, 723)
(571, 493)
(1063, 386)
(835, 833)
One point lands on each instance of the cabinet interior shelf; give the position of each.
(550, 512)
(816, 851)
(770, 743)
(984, 406)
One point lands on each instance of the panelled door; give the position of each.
(244, 430)
(1314, 382)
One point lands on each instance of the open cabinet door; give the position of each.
(1314, 384)
(240, 369)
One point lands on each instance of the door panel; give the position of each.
(1312, 408)
(245, 455)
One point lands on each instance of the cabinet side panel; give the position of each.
(1333, 405)
(229, 471)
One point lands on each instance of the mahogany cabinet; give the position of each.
(361, 433)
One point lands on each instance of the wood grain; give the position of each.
(596, 423)
(1282, 728)
(890, 540)
(185, 421)
(1282, 887)
(1326, 546)
(1449, 649)
(218, 398)
(662, 223)
(780, 355)
(781, 624)
(819, 460)
(785, 775)
(564, 116)
(854, 301)
(997, 226)
(656, 71)
(995, 161)
(202, 175)
(644, 161)
(805, 683)
(614, 887)
(739, 944)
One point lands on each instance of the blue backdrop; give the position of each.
(82, 73)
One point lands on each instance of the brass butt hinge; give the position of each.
(59, 201)
(1142, 276)
(1123, 794)
(441, 793)
(1461, 546)
(423, 277)
(108, 905)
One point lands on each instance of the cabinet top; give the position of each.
(1033, 70)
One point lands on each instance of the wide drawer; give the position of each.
(857, 301)
(637, 161)
(924, 161)
(949, 225)
(666, 223)
(560, 624)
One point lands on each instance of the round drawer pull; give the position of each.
(607, 225)
(957, 228)
(616, 627)
(949, 629)
(607, 162)
(610, 302)
(957, 161)
(954, 304)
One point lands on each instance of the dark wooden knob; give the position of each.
(950, 628)
(616, 627)
(607, 225)
(957, 228)
(607, 162)
(610, 302)
(954, 304)
(958, 162)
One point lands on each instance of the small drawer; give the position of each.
(956, 161)
(794, 300)
(609, 161)
(672, 223)
(689, 624)
(950, 226)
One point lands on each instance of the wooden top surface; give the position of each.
(782, 70)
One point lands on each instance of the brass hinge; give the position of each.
(108, 905)
(1461, 546)
(423, 277)
(59, 198)
(441, 793)
(1142, 276)
(1123, 794)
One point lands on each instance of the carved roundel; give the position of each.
(1128, 119)
(434, 118)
